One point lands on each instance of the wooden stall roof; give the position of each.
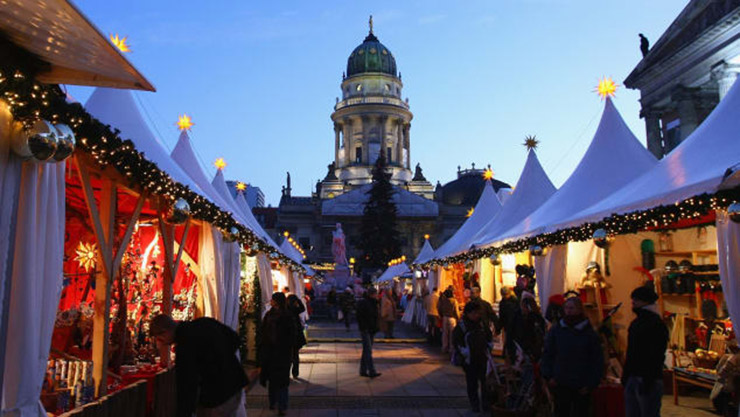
(57, 32)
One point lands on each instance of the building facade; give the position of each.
(688, 71)
(373, 117)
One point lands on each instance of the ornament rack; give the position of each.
(690, 297)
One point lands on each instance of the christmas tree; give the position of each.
(379, 241)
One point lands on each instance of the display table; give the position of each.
(691, 377)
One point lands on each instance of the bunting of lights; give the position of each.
(295, 244)
(29, 101)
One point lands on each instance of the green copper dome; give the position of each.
(371, 56)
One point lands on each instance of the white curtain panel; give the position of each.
(10, 171)
(265, 272)
(728, 255)
(211, 264)
(36, 277)
(232, 281)
(550, 270)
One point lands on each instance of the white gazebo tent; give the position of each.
(221, 284)
(704, 163)
(416, 313)
(264, 266)
(532, 189)
(614, 158)
(487, 207)
(391, 272)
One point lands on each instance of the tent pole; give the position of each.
(104, 216)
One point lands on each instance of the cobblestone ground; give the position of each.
(416, 381)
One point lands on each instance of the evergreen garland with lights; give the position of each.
(660, 217)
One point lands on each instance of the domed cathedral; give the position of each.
(372, 117)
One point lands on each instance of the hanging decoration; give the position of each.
(600, 238)
(536, 250)
(65, 142)
(86, 255)
(179, 212)
(733, 211)
(120, 43)
(38, 141)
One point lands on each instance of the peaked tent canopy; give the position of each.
(532, 190)
(184, 155)
(220, 185)
(614, 158)
(118, 109)
(425, 254)
(291, 252)
(696, 166)
(392, 272)
(487, 207)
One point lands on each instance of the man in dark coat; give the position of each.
(209, 377)
(573, 361)
(346, 304)
(646, 344)
(278, 339)
(296, 308)
(367, 321)
(489, 319)
(508, 309)
(473, 341)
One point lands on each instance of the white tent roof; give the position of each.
(220, 185)
(117, 108)
(292, 253)
(614, 158)
(487, 207)
(392, 272)
(694, 167)
(532, 190)
(425, 254)
(184, 155)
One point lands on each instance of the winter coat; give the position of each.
(529, 332)
(507, 310)
(430, 304)
(387, 309)
(346, 302)
(367, 315)
(331, 297)
(278, 338)
(646, 344)
(475, 337)
(447, 307)
(489, 317)
(206, 367)
(296, 308)
(573, 356)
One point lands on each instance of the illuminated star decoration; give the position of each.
(120, 43)
(606, 88)
(488, 174)
(470, 212)
(240, 186)
(531, 142)
(220, 164)
(184, 122)
(86, 255)
(426, 236)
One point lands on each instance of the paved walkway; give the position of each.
(416, 381)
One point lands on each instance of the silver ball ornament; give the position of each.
(600, 238)
(38, 142)
(536, 250)
(65, 142)
(179, 212)
(733, 211)
(495, 260)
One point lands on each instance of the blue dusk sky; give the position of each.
(259, 78)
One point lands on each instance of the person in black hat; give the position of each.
(646, 344)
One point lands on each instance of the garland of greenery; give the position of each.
(29, 101)
(664, 216)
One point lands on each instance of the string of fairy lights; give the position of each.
(30, 101)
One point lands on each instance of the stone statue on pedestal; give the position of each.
(338, 248)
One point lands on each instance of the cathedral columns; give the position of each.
(407, 143)
(684, 99)
(337, 129)
(398, 132)
(725, 74)
(348, 141)
(653, 131)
